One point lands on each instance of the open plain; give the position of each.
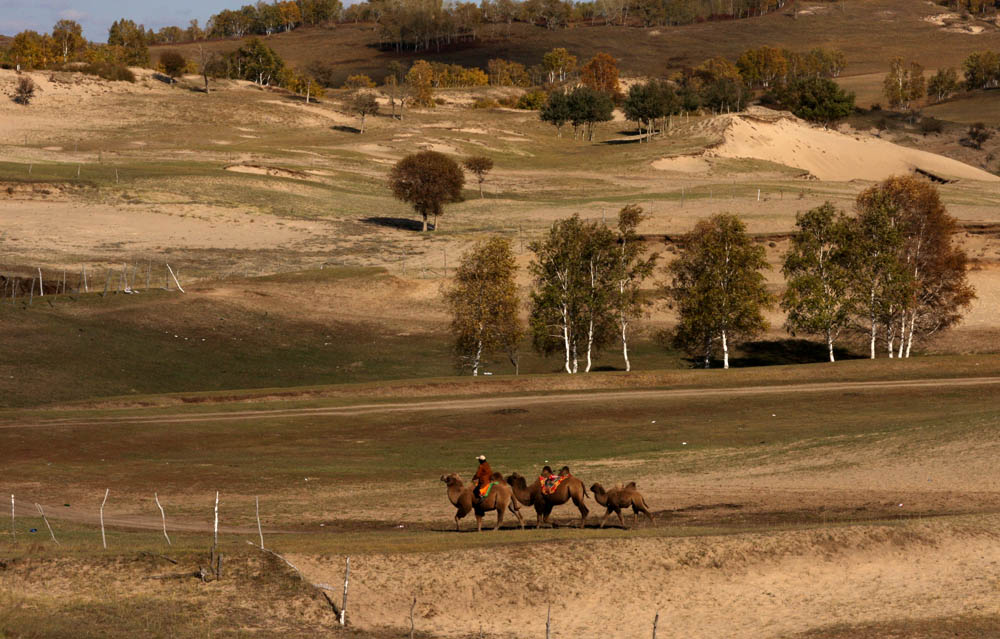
(307, 369)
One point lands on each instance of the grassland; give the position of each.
(308, 366)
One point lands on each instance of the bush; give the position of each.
(24, 91)
(485, 103)
(173, 63)
(109, 71)
(532, 100)
(508, 101)
(931, 125)
(978, 133)
(359, 81)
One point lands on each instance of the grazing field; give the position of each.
(795, 494)
(308, 368)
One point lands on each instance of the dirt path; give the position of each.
(507, 400)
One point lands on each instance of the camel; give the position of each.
(499, 499)
(621, 497)
(531, 495)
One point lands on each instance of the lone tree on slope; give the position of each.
(427, 181)
(364, 104)
(480, 165)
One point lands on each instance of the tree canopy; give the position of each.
(427, 181)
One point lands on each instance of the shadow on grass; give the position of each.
(779, 352)
(403, 223)
(345, 129)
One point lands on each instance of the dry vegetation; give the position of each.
(854, 500)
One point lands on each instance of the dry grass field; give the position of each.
(307, 365)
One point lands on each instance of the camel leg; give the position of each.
(457, 527)
(479, 521)
(621, 519)
(520, 518)
(500, 513)
(584, 511)
(604, 520)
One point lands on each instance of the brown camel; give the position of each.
(499, 499)
(621, 497)
(531, 495)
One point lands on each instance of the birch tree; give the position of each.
(571, 308)
(717, 288)
(630, 271)
(817, 275)
(483, 301)
(878, 281)
(931, 289)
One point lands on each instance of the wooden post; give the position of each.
(116, 175)
(758, 195)
(13, 533)
(343, 607)
(412, 606)
(179, 288)
(104, 540)
(46, 520)
(163, 517)
(548, 623)
(41, 291)
(78, 171)
(656, 622)
(216, 544)
(86, 289)
(260, 531)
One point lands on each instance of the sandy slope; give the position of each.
(762, 134)
(755, 585)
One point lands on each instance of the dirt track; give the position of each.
(506, 400)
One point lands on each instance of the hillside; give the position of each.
(852, 27)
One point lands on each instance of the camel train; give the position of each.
(545, 493)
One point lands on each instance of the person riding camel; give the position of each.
(481, 479)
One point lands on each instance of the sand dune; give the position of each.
(778, 137)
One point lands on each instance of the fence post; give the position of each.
(343, 607)
(41, 291)
(13, 532)
(104, 540)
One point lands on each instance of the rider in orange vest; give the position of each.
(482, 478)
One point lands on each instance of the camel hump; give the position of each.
(496, 476)
(631, 485)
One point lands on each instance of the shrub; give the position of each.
(931, 125)
(508, 101)
(24, 91)
(485, 103)
(978, 133)
(173, 63)
(109, 71)
(532, 100)
(360, 81)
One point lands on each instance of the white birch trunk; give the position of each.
(829, 343)
(872, 344)
(909, 337)
(479, 354)
(590, 345)
(902, 335)
(628, 364)
(725, 351)
(566, 344)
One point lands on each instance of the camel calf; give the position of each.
(621, 497)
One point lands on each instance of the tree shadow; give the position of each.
(617, 141)
(165, 79)
(294, 97)
(345, 129)
(402, 223)
(786, 351)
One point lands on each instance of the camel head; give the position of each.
(515, 479)
(451, 480)
(600, 494)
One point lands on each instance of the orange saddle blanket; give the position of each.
(551, 484)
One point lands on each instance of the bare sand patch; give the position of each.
(683, 164)
(781, 138)
(100, 229)
(274, 171)
(754, 585)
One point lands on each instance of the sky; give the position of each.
(95, 16)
